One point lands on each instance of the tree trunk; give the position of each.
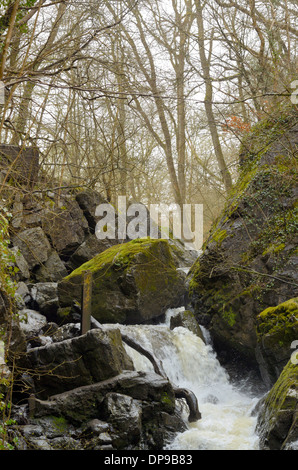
(227, 180)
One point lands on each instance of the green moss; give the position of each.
(60, 423)
(126, 278)
(121, 256)
(219, 235)
(280, 322)
(266, 131)
(283, 395)
(229, 316)
(167, 401)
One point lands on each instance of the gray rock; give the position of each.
(187, 320)
(34, 246)
(67, 331)
(88, 200)
(81, 404)
(31, 322)
(125, 415)
(65, 227)
(52, 270)
(90, 247)
(22, 292)
(72, 363)
(45, 296)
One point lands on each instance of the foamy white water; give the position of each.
(226, 423)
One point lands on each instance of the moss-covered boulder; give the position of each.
(132, 283)
(277, 329)
(278, 418)
(249, 261)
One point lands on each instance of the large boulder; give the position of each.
(72, 363)
(249, 261)
(277, 423)
(132, 283)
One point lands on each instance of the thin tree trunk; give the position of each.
(227, 180)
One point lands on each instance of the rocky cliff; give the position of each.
(249, 262)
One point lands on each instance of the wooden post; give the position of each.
(86, 302)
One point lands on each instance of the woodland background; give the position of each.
(149, 99)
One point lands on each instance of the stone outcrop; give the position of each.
(249, 261)
(61, 366)
(133, 410)
(33, 245)
(66, 227)
(277, 418)
(132, 283)
(53, 235)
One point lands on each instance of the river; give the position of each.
(227, 422)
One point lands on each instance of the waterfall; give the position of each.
(189, 362)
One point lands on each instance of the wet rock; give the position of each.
(249, 261)
(80, 404)
(125, 415)
(131, 410)
(187, 320)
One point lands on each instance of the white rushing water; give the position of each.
(226, 423)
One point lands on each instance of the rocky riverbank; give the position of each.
(74, 390)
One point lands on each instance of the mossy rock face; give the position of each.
(277, 421)
(277, 329)
(132, 283)
(249, 261)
